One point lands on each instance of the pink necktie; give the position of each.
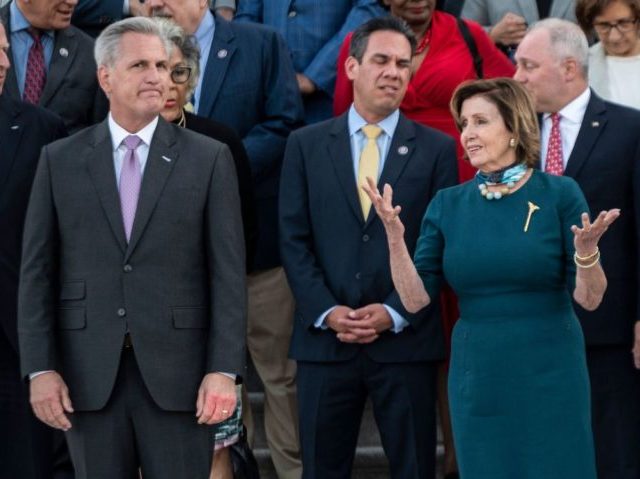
(36, 72)
(130, 179)
(554, 164)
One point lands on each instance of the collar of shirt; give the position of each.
(21, 42)
(357, 138)
(571, 121)
(118, 134)
(204, 37)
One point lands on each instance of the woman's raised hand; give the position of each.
(585, 239)
(383, 205)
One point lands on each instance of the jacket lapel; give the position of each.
(160, 162)
(64, 53)
(102, 172)
(11, 129)
(11, 81)
(222, 49)
(401, 150)
(593, 123)
(340, 153)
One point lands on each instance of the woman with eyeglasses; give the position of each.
(614, 62)
(183, 66)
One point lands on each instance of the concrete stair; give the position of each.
(370, 461)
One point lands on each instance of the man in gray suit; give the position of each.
(52, 60)
(506, 20)
(132, 295)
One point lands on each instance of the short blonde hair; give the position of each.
(515, 107)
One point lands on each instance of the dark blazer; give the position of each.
(333, 257)
(605, 162)
(224, 134)
(178, 286)
(71, 89)
(24, 130)
(249, 84)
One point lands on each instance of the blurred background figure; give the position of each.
(614, 62)
(52, 60)
(506, 21)
(313, 31)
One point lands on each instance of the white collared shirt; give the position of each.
(570, 122)
(118, 134)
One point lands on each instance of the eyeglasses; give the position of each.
(181, 74)
(623, 26)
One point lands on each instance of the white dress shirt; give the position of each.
(570, 121)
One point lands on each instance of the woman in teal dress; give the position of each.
(508, 242)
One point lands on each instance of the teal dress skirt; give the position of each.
(518, 383)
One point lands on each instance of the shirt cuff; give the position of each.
(320, 321)
(225, 3)
(399, 323)
(39, 373)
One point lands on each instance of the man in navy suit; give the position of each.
(352, 337)
(600, 149)
(247, 81)
(29, 449)
(314, 32)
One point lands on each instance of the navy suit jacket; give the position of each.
(249, 84)
(24, 130)
(333, 257)
(605, 162)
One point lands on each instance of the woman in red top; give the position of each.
(442, 61)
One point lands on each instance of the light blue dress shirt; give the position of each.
(358, 141)
(21, 42)
(204, 37)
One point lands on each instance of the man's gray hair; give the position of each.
(107, 47)
(567, 41)
(186, 44)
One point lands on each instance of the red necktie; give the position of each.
(554, 164)
(36, 71)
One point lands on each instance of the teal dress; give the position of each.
(518, 383)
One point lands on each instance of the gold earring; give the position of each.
(512, 142)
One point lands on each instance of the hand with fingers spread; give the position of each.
(383, 204)
(586, 239)
(348, 326)
(49, 397)
(216, 398)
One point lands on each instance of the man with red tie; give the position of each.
(596, 143)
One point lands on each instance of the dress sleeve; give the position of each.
(430, 248)
(572, 205)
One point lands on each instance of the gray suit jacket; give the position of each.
(489, 12)
(178, 286)
(72, 89)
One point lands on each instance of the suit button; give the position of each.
(127, 268)
(292, 14)
(122, 312)
(358, 275)
(365, 238)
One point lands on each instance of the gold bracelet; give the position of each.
(587, 258)
(586, 266)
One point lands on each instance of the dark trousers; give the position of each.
(131, 432)
(29, 449)
(615, 404)
(331, 398)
